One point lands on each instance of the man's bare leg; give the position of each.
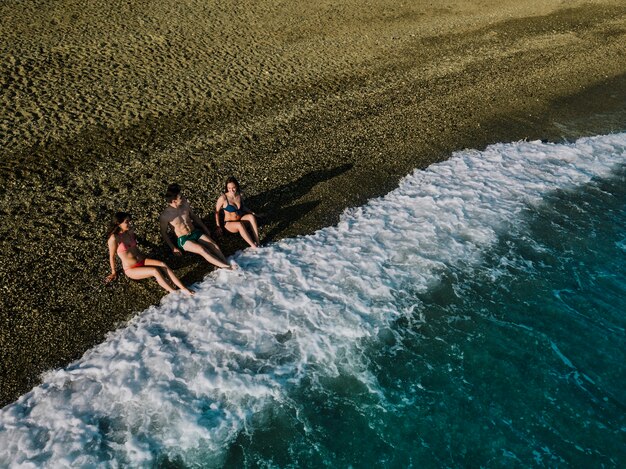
(209, 243)
(201, 250)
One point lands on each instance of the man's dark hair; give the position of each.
(172, 192)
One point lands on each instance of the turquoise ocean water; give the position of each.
(520, 360)
(474, 317)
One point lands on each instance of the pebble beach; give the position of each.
(313, 107)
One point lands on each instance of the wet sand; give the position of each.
(314, 108)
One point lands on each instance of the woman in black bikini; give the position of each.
(122, 241)
(236, 215)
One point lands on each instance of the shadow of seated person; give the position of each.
(272, 201)
(285, 217)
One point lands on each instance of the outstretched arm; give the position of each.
(112, 243)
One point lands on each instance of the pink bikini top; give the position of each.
(123, 247)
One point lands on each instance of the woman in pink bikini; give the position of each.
(122, 241)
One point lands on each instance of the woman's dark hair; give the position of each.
(173, 190)
(117, 219)
(228, 181)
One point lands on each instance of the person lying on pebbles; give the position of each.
(123, 242)
(237, 217)
(192, 235)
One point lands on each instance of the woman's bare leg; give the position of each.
(197, 248)
(255, 227)
(139, 273)
(238, 227)
(170, 273)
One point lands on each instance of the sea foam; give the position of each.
(184, 378)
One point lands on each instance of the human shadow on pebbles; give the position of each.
(278, 205)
